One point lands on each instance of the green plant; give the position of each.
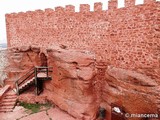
(34, 107)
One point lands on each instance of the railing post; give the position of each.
(47, 71)
(35, 73)
(17, 88)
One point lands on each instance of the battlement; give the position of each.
(112, 4)
(98, 7)
(84, 8)
(70, 8)
(129, 3)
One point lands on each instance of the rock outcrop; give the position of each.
(82, 85)
(20, 60)
(136, 92)
(72, 86)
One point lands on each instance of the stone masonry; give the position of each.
(124, 37)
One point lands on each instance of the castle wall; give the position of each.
(126, 37)
(122, 38)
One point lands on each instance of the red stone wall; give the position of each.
(126, 37)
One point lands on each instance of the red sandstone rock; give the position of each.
(81, 84)
(57, 114)
(71, 88)
(132, 77)
(31, 98)
(3, 90)
(136, 92)
(21, 60)
(39, 115)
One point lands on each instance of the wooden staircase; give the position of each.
(25, 86)
(34, 77)
(8, 102)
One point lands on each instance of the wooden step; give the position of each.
(26, 85)
(28, 82)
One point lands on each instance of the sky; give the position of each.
(10, 6)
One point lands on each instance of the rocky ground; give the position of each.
(20, 113)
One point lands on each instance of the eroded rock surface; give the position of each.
(81, 84)
(20, 61)
(71, 88)
(136, 92)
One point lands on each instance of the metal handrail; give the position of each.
(43, 67)
(23, 79)
(26, 78)
(33, 70)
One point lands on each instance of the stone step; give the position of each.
(6, 107)
(4, 90)
(6, 110)
(9, 100)
(10, 94)
(7, 104)
(10, 97)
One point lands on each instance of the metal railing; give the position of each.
(33, 72)
(24, 78)
(41, 69)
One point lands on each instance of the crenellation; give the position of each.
(38, 12)
(98, 6)
(112, 4)
(84, 8)
(7, 15)
(70, 8)
(13, 15)
(129, 3)
(30, 12)
(59, 10)
(21, 13)
(49, 10)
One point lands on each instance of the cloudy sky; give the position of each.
(10, 6)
